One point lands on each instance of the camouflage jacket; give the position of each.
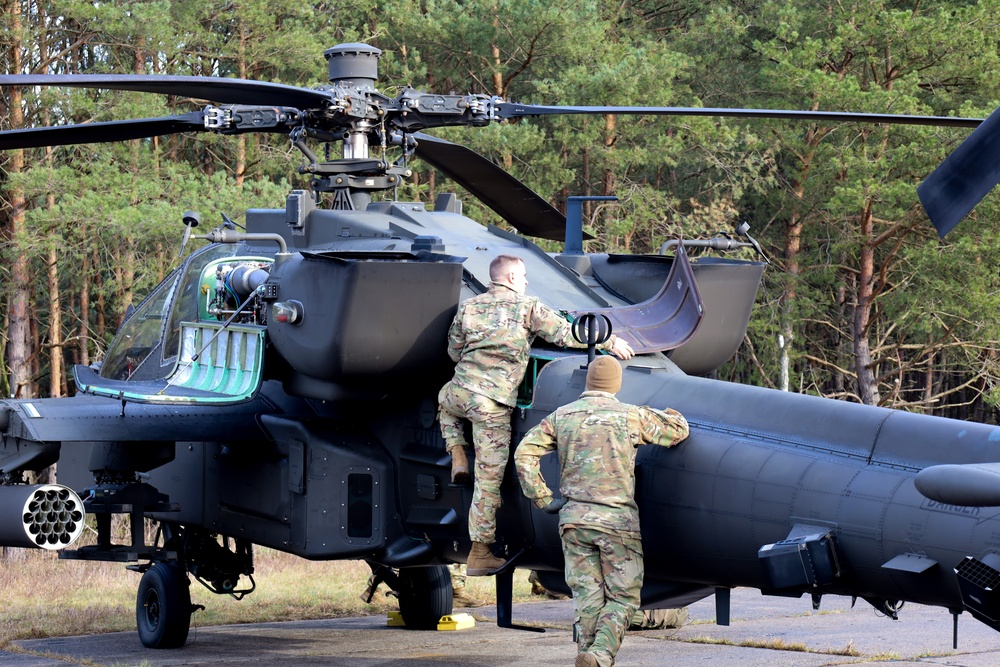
(490, 339)
(596, 437)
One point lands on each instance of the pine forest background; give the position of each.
(862, 301)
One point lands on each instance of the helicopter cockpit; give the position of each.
(176, 338)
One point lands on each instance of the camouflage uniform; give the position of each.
(596, 437)
(457, 572)
(652, 619)
(461, 595)
(490, 339)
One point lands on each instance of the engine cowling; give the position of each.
(361, 319)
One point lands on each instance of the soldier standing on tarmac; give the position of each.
(596, 437)
(490, 340)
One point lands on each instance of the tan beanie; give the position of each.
(604, 374)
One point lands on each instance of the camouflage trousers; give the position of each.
(605, 572)
(457, 572)
(491, 439)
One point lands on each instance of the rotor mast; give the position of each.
(354, 68)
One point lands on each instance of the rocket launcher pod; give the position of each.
(44, 516)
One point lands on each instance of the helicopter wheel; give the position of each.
(425, 596)
(163, 606)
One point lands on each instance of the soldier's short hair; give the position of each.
(501, 264)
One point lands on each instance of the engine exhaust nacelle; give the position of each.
(44, 516)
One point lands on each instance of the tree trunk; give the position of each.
(793, 246)
(929, 382)
(126, 277)
(83, 333)
(56, 379)
(100, 325)
(793, 249)
(35, 345)
(19, 327)
(840, 381)
(507, 159)
(867, 388)
(498, 88)
(610, 137)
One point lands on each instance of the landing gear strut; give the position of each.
(163, 604)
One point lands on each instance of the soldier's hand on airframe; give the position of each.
(554, 506)
(621, 348)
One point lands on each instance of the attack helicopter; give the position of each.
(279, 387)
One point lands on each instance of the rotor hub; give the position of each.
(354, 65)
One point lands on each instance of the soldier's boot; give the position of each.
(586, 660)
(482, 561)
(538, 589)
(459, 467)
(461, 598)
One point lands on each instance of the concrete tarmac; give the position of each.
(764, 631)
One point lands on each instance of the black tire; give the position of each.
(163, 606)
(425, 596)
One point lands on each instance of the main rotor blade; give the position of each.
(964, 178)
(524, 209)
(214, 89)
(515, 110)
(95, 133)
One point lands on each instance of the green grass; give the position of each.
(42, 596)
(776, 644)
(782, 645)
